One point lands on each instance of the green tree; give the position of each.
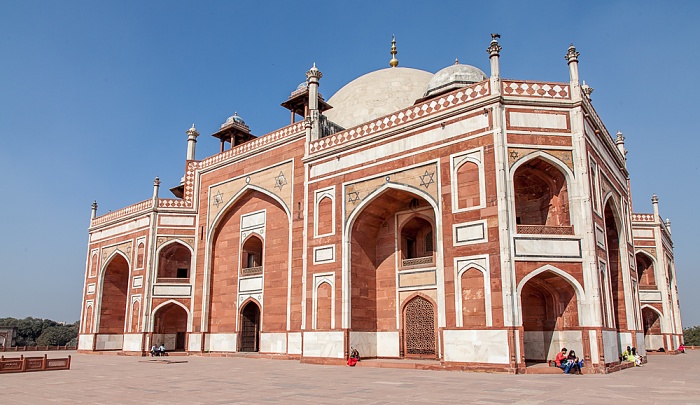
(56, 336)
(691, 336)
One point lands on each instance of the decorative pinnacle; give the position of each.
(668, 222)
(94, 205)
(494, 48)
(456, 61)
(587, 90)
(193, 131)
(619, 138)
(572, 55)
(156, 182)
(393, 62)
(313, 73)
(654, 199)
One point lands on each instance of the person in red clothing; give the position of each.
(560, 360)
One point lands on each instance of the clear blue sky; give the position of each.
(95, 99)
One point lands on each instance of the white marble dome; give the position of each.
(376, 94)
(454, 77)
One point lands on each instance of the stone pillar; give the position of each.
(668, 225)
(655, 205)
(494, 54)
(94, 210)
(572, 59)
(313, 75)
(156, 186)
(192, 135)
(620, 143)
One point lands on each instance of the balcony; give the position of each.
(252, 271)
(425, 261)
(173, 280)
(545, 230)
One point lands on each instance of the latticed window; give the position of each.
(419, 327)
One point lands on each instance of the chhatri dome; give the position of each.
(454, 77)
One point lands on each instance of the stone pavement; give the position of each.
(108, 379)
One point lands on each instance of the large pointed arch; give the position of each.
(347, 228)
(99, 305)
(209, 245)
(578, 289)
(569, 177)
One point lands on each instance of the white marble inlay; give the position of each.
(137, 282)
(220, 342)
(643, 233)
(324, 344)
(85, 342)
(109, 342)
(533, 120)
(132, 342)
(388, 344)
(600, 236)
(547, 247)
(594, 346)
(469, 232)
(250, 284)
(252, 220)
(650, 296)
(365, 343)
(194, 342)
(176, 221)
(324, 254)
(641, 348)
(183, 290)
(294, 343)
(273, 343)
(476, 346)
(129, 226)
(91, 288)
(611, 345)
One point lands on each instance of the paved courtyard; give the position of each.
(99, 379)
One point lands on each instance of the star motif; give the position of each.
(513, 155)
(427, 179)
(218, 199)
(280, 181)
(353, 197)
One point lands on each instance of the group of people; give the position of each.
(158, 351)
(631, 355)
(570, 363)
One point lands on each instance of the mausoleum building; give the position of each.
(478, 221)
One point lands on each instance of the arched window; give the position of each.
(473, 301)
(324, 216)
(469, 191)
(252, 256)
(645, 272)
(140, 253)
(417, 242)
(323, 306)
(174, 262)
(93, 264)
(541, 199)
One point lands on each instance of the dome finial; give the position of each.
(456, 61)
(393, 62)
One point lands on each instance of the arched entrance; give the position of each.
(115, 289)
(653, 339)
(419, 336)
(612, 235)
(170, 327)
(550, 315)
(250, 328)
(391, 236)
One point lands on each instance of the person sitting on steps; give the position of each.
(573, 364)
(560, 360)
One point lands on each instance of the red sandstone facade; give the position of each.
(485, 224)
